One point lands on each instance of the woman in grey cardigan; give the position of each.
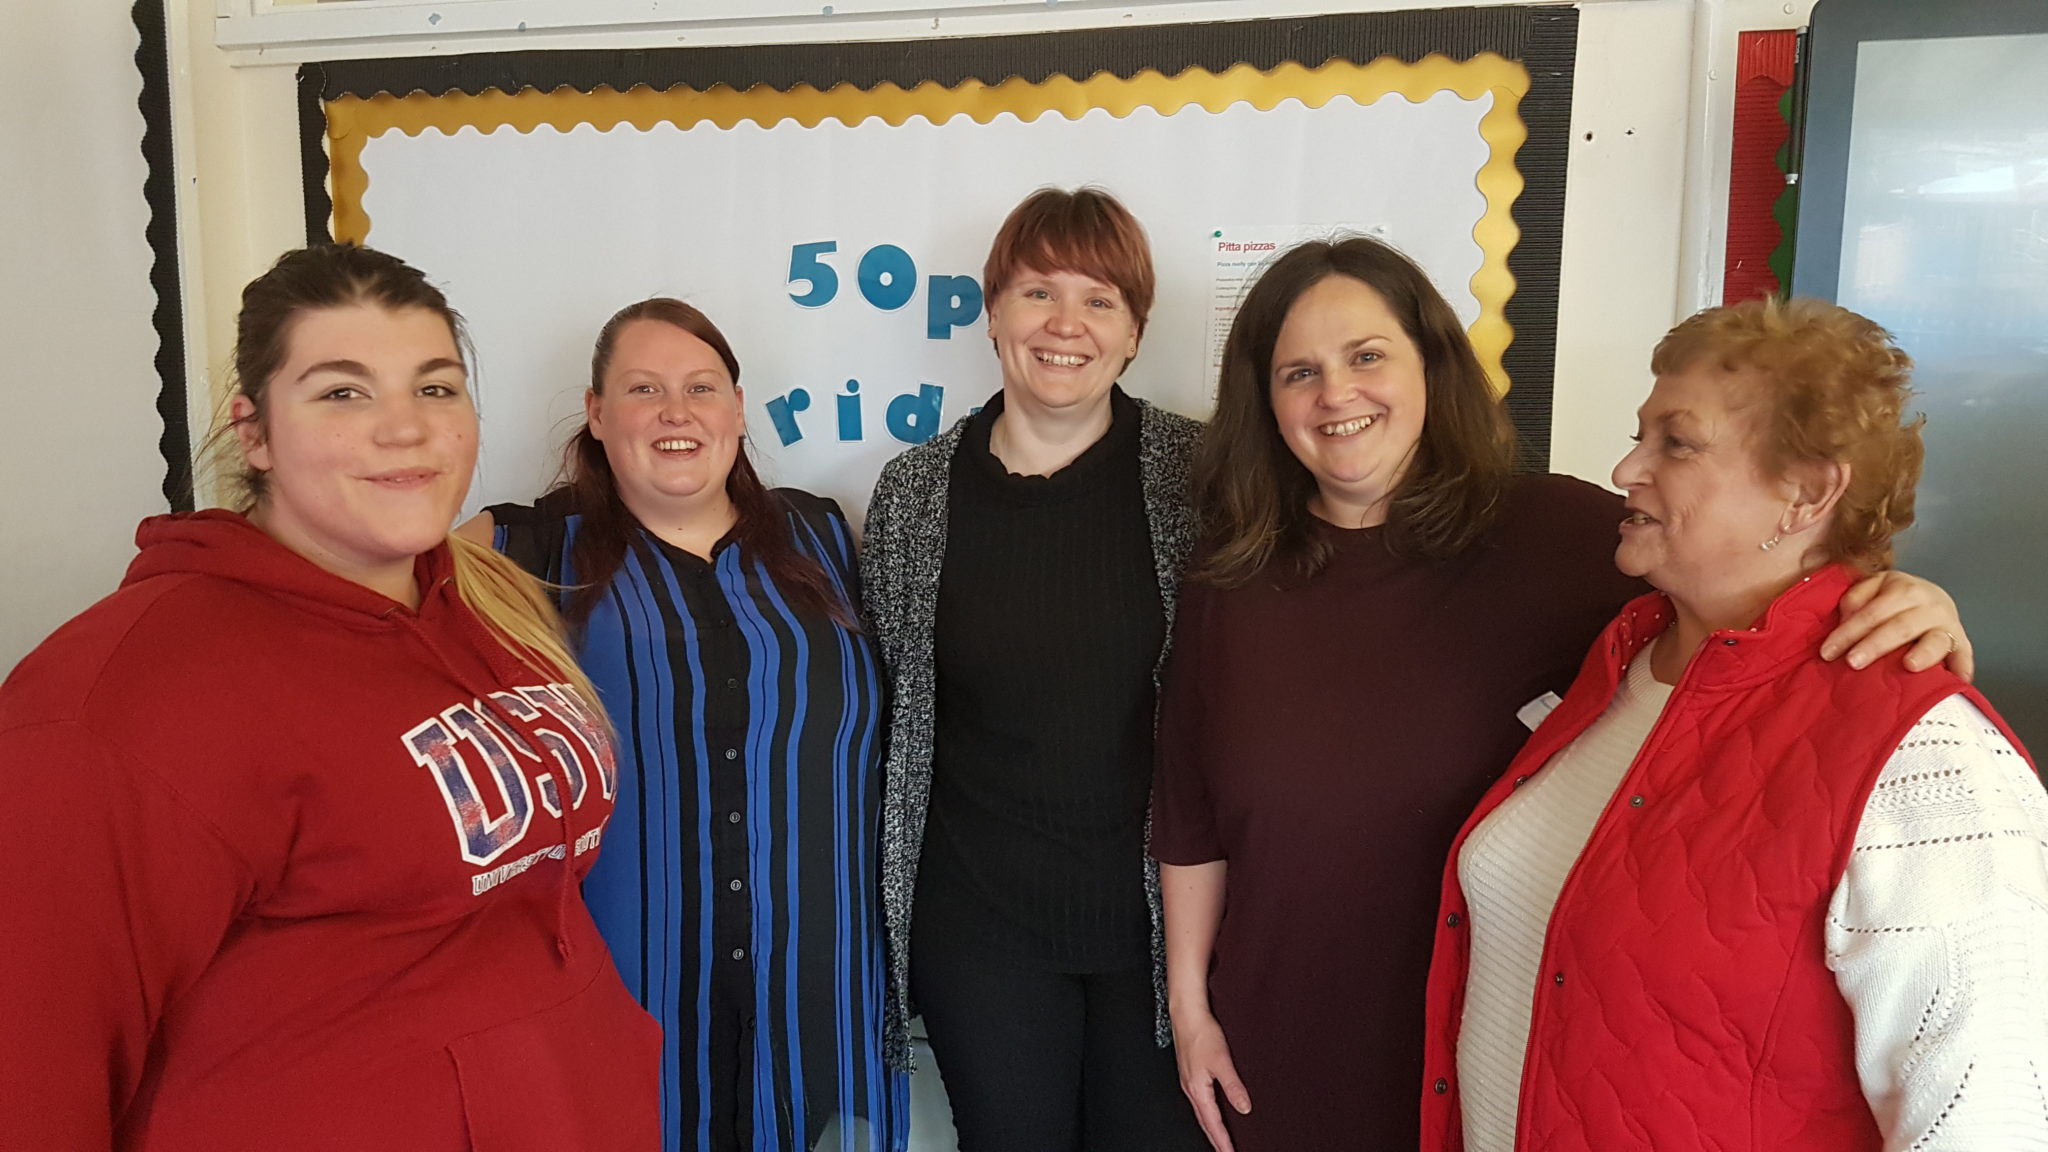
(1019, 570)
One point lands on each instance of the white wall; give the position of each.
(1618, 288)
(1646, 202)
(78, 448)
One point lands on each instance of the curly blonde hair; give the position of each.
(1834, 389)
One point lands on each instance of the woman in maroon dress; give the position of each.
(1375, 623)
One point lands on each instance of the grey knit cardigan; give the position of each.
(903, 550)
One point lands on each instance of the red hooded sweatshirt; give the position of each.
(292, 867)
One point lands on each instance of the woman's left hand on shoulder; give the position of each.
(1894, 610)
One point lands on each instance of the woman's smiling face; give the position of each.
(669, 416)
(1348, 394)
(367, 439)
(1063, 338)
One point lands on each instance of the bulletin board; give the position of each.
(830, 206)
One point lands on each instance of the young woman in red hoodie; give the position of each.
(301, 808)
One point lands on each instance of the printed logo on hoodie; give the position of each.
(567, 731)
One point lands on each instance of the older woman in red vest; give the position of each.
(1731, 895)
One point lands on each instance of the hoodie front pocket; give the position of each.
(582, 1076)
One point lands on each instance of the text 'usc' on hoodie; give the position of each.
(292, 866)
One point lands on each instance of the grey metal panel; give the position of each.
(1925, 207)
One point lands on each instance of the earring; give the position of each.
(1771, 543)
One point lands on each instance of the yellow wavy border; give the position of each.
(353, 121)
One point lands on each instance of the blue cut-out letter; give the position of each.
(950, 302)
(914, 416)
(805, 265)
(783, 409)
(888, 277)
(849, 412)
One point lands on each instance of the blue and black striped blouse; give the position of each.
(740, 863)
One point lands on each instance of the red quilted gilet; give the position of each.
(1684, 1000)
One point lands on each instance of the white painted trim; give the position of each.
(190, 238)
(265, 31)
(1717, 38)
(1619, 267)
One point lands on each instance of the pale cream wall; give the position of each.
(240, 204)
(1618, 288)
(1646, 203)
(78, 444)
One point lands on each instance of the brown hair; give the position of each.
(511, 603)
(1834, 386)
(1251, 495)
(1086, 231)
(608, 526)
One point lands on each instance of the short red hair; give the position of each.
(1086, 231)
(1833, 389)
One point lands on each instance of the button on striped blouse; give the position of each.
(738, 874)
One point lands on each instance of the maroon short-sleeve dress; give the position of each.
(1327, 737)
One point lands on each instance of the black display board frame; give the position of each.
(1544, 39)
(159, 191)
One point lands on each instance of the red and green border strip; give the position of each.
(1762, 202)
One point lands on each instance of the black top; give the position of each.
(1048, 626)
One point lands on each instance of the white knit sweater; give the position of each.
(1937, 934)
(1512, 867)
(1938, 938)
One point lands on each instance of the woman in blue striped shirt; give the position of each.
(716, 617)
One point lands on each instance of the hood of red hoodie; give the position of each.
(225, 545)
(228, 546)
(345, 836)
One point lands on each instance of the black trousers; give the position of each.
(1037, 1061)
